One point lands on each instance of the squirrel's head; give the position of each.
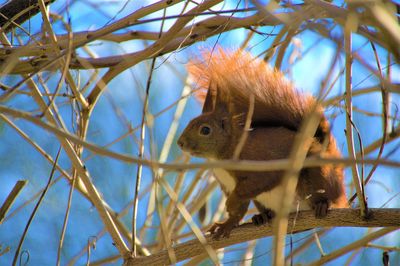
(208, 136)
(214, 133)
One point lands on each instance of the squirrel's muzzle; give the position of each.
(186, 145)
(182, 143)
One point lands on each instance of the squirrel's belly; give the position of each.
(272, 200)
(226, 181)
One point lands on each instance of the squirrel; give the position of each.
(232, 79)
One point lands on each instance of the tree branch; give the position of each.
(11, 198)
(305, 220)
(185, 37)
(17, 12)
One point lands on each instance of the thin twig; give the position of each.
(141, 147)
(246, 129)
(83, 174)
(56, 49)
(355, 245)
(226, 164)
(297, 158)
(66, 217)
(21, 241)
(349, 112)
(11, 198)
(385, 110)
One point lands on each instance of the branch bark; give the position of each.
(17, 12)
(305, 220)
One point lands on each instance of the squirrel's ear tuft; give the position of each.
(210, 101)
(200, 77)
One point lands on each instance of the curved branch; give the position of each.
(185, 37)
(305, 220)
(226, 164)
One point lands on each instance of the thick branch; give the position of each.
(18, 11)
(305, 220)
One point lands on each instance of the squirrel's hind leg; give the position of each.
(315, 185)
(321, 208)
(265, 215)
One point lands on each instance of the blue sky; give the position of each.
(115, 179)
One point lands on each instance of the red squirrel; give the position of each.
(232, 79)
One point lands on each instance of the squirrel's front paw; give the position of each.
(221, 229)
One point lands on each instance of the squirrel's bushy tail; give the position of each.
(238, 75)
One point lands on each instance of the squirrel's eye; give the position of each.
(205, 130)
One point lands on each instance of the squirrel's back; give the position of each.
(238, 75)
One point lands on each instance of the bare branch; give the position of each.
(305, 220)
(186, 36)
(11, 198)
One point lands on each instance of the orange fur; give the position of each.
(238, 75)
(232, 80)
